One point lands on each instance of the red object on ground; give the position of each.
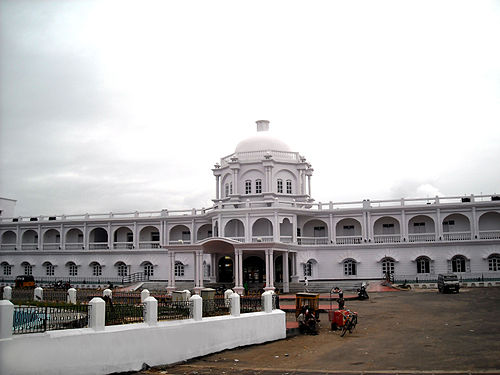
(339, 317)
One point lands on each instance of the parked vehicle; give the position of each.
(362, 293)
(25, 281)
(448, 283)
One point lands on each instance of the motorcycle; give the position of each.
(362, 293)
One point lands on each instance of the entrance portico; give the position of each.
(235, 263)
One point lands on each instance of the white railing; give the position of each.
(348, 240)
(479, 199)
(239, 239)
(313, 240)
(51, 246)
(489, 234)
(286, 239)
(262, 239)
(456, 236)
(8, 246)
(179, 242)
(252, 155)
(386, 238)
(149, 245)
(98, 245)
(29, 246)
(123, 245)
(421, 237)
(74, 246)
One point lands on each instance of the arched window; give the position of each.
(280, 186)
(248, 187)
(28, 269)
(122, 269)
(226, 190)
(387, 266)
(350, 267)
(494, 262)
(423, 265)
(458, 263)
(6, 269)
(308, 268)
(230, 188)
(289, 186)
(148, 269)
(49, 269)
(179, 269)
(72, 269)
(96, 269)
(258, 186)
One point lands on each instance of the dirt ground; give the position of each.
(407, 331)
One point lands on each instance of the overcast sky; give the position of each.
(126, 105)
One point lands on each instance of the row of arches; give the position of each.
(419, 228)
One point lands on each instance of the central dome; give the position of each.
(263, 141)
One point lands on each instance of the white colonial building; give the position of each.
(264, 228)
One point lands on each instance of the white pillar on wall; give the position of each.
(171, 271)
(286, 284)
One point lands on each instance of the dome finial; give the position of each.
(262, 125)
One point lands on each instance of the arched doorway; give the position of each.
(225, 266)
(254, 270)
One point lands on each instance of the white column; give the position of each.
(474, 224)
(197, 307)
(217, 187)
(267, 301)
(294, 229)
(171, 273)
(286, 284)
(333, 230)
(110, 237)
(276, 229)
(71, 297)
(150, 311)
(309, 185)
(136, 236)
(404, 227)
(267, 266)
(62, 240)
(97, 316)
(7, 293)
(38, 294)
(85, 236)
(40, 237)
(6, 319)
(144, 295)
(235, 304)
(235, 181)
(369, 225)
(438, 225)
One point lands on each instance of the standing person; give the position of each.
(306, 283)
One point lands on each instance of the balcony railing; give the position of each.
(286, 239)
(348, 240)
(98, 245)
(52, 246)
(239, 239)
(489, 234)
(386, 238)
(29, 246)
(312, 240)
(421, 237)
(179, 242)
(149, 245)
(262, 239)
(456, 236)
(123, 245)
(8, 246)
(74, 246)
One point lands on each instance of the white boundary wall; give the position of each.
(127, 347)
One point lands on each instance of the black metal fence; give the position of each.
(433, 278)
(250, 304)
(123, 314)
(32, 319)
(174, 310)
(216, 306)
(56, 295)
(22, 294)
